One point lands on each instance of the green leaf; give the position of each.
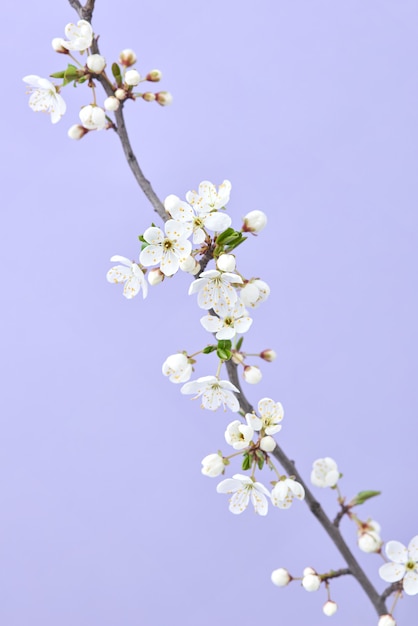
(141, 238)
(362, 496)
(224, 355)
(246, 462)
(223, 236)
(209, 349)
(226, 344)
(58, 74)
(116, 73)
(235, 245)
(239, 343)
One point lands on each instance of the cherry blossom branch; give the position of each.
(331, 528)
(334, 533)
(86, 13)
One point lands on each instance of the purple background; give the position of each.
(310, 109)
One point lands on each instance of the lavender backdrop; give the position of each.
(310, 109)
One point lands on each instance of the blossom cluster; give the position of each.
(45, 96)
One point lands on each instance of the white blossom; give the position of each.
(127, 57)
(76, 131)
(129, 273)
(254, 221)
(93, 117)
(280, 577)
(238, 435)
(164, 98)
(226, 263)
(325, 473)
(132, 78)
(213, 465)
(45, 97)
(284, 491)
(111, 103)
(310, 581)
(58, 45)
(96, 63)
(368, 536)
(252, 374)
(214, 393)
(155, 277)
(196, 222)
(267, 444)
(243, 488)
(254, 293)
(207, 198)
(268, 355)
(386, 620)
(177, 367)
(330, 607)
(215, 290)
(79, 36)
(404, 565)
(168, 250)
(236, 321)
(190, 265)
(271, 414)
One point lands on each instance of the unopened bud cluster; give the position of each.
(45, 96)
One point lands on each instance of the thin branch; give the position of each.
(84, 12)
(393, 588)
(337, 573)
(334, 533)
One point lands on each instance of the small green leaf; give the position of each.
(141, 238)
(226, 344)
(246, 462)
(116, 73)
(362, 496)
(209, 349)
(224, 355)
(223, 236)
(235, 245)
(239, 343)
(58, 74)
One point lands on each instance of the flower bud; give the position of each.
(252, 374)
(268, 355)
(127, 57)
(148, 96)
(213, 465)
(132, 78)
(76, 131)
(154, 76)
(96, 63)
(164, 98)
(57, 44)
(386, 620)
(280, 577)
(370, 542)
(308, 570)
(155, 276)
(111, 103)
(311, 582)
(120, 94)
(330, 608)
(226, 263)
(267, 443)
(188, 264)
(254, 221)
(237, 357)
(93, 117)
